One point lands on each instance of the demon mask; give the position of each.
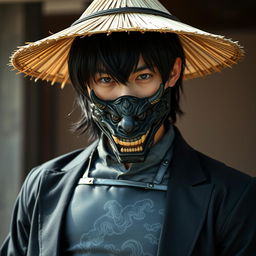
(130, 123)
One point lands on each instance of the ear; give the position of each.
(175, 74)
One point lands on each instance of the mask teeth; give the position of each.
(129, 150)
(128, 143)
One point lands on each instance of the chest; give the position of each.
(110, 220)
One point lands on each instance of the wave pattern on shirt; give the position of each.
(115, 222)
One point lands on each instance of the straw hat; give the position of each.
(46, 59)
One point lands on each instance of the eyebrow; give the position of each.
(138, 69)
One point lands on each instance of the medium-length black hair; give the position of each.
(118, 55)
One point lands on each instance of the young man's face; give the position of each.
(132, 114)
(143, 82)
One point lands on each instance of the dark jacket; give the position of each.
(211, 208)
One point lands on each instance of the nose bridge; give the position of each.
(126, 89)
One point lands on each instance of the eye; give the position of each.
(145, 76)
(106, 80)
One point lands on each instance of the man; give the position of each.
(139, 189)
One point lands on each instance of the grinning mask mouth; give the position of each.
(130, 123)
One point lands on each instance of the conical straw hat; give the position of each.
(205, 53)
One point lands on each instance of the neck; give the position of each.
(159, 134)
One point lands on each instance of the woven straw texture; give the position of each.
(46, 59)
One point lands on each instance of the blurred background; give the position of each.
(36, 118)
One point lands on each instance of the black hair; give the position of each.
(118, 55)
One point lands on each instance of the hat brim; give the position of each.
(205, 53)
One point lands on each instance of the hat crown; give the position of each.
(101, 5)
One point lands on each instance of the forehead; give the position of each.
(140, 65)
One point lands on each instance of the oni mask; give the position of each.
(130, 123)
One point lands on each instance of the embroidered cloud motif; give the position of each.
(115, 222)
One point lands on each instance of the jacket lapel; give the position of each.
(57, 193)
(187, 201)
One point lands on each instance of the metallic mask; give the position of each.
(130, 123)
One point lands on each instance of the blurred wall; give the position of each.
(11, 113)
(220, 110)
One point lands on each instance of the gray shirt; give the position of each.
(111, 219)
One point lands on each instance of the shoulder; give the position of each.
(220, 173)
(60, 162)
(63, 161)
(54, 165)
(233, 200)
(230, 184)
(233, 189)
(57, 166)
(193, 163)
